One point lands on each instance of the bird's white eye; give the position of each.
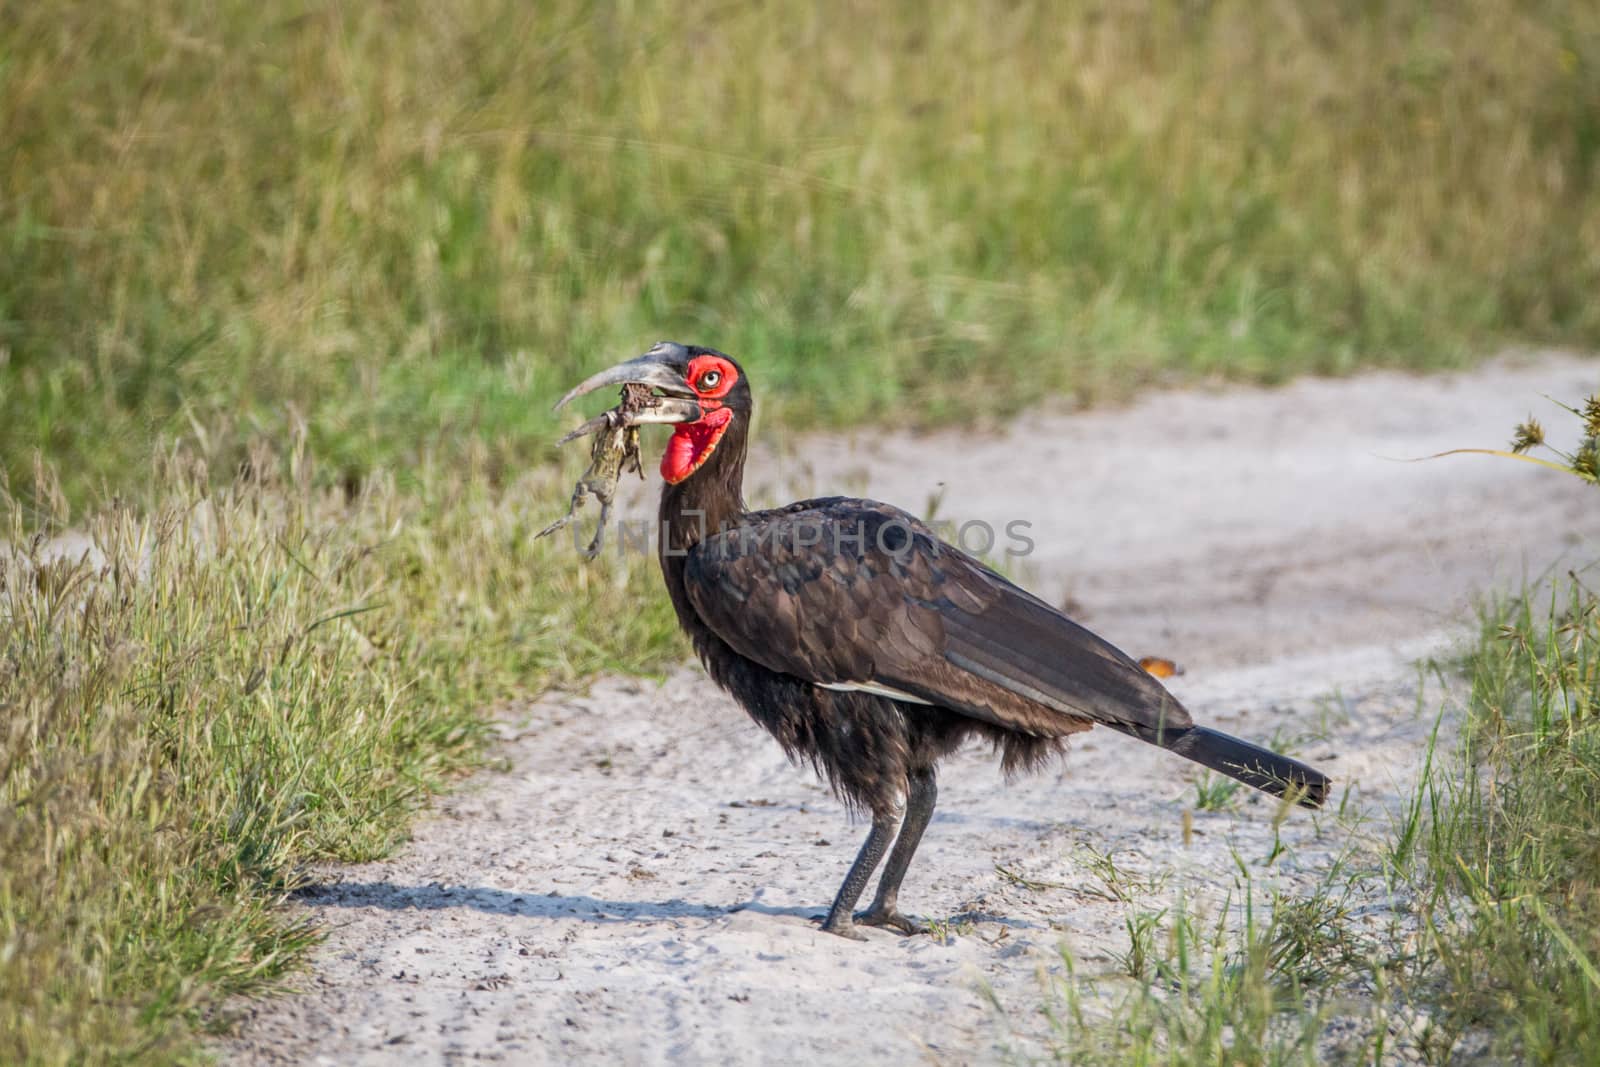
(710, 378)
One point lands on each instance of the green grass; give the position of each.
(1487, 884)
(409, 225)
(1204, 992)
(238, 682)
(1509, 860)
(1513, 846)
(1212, 792)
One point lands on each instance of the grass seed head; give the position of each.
(1591, 416)
(1586, 461)
(1529, 434)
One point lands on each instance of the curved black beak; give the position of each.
(657, 368)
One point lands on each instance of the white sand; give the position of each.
(639, 886)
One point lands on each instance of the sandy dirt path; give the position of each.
(640, 885)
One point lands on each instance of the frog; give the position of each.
(614, 452)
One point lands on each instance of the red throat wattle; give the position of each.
(692, 444)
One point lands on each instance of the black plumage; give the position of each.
(871, 649)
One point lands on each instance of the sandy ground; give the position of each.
(640, 885)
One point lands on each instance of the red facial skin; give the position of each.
(712, 378)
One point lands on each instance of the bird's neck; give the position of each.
(709, 500)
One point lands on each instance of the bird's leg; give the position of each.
(921, 794)
(839, 919)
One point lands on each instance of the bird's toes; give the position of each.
(892, 919)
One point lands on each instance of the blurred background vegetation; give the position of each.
(408, 224)
(286, 291)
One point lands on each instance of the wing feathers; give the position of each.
(846, 592)
(1045, 655)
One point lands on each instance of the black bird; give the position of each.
(872, 649)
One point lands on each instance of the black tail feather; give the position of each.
(1251, 764)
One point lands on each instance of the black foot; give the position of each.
(891, 918)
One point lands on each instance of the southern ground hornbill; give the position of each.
(870, 648)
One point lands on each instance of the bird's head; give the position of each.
(705, 393)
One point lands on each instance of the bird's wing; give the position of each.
(856, 594)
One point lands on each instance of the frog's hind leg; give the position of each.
(573, 508)
(600, 530)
